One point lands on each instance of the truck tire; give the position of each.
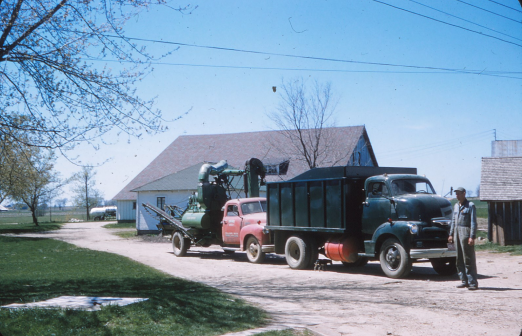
(395, 261)
(297, 253)
(444, 266)
(180, 244)
(253, 250)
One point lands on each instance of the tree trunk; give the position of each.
(33, 213)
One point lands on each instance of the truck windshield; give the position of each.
(253, 207)
(401, 187)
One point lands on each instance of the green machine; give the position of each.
(203, 215)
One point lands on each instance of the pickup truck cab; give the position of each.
(242, 226)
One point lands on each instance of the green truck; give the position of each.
(356, 214)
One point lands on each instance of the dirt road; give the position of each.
(339, 301)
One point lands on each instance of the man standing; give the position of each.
(463, 232)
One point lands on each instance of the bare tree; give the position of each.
(85, 193)
(305, 117)
(50, 72)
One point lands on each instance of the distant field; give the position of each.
(482, 206)
(55, 215)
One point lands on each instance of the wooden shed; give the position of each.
(501, 187)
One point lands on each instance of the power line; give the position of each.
(473, 72)
(457, 17)
(437, 147)
(485, 10)
(498, 3)
(491, 73)
(447, 23)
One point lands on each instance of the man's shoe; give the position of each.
(472, 287)
(463, 285)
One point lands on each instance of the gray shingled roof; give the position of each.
(183, 180)
(501, 179)
(189, 150)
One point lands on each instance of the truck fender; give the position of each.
(396, 229)
(255, 230)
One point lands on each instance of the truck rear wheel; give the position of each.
(180, 244)
(395, 261)
(297, 253)
(444, 266)
(253, 250)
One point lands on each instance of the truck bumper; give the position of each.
(432, 253)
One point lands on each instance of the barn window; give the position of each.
(160, 202)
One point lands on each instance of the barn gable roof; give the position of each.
(501, 179)
(190, 150)
(182, 180)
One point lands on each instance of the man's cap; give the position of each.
(460, 189)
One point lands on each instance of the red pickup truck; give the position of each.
(242, 227)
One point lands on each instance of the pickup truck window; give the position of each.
(253, 207)
(232, 210)
(401, 187)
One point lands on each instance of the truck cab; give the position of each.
(405, 208)
(242, 226)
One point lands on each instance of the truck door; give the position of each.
(231, 225)
(377, 208)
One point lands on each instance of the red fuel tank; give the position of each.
(341, 249)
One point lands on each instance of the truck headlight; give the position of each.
(413, 228)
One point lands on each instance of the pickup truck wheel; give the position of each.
(297, 253)
(395, 261)
(180, 244)
(253, 250)
(444, 266)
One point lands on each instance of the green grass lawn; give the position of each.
(34, 269)
(28, 227)
(129, 225)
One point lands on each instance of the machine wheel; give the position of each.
(297, 253)
(360, 262)
(395, 261)
(444, 266)
(180, 244)
(253, 251)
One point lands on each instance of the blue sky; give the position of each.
(439, 121)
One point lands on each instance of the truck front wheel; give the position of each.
(297, 253)
(395, 261)
(180, 244)
(253, 250)
(444, 266)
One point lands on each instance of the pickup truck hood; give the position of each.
(422, 207)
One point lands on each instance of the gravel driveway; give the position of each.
(338, 301)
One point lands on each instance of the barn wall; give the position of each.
(361, 154)
(505, 148)
(505, 222)
(145, 223)
(125, 211)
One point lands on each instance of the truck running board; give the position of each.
(162, 215)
